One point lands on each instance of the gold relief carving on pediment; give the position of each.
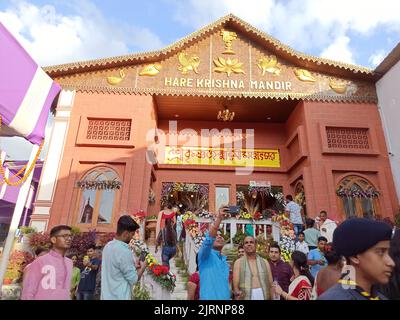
(116, 80)
(188, 63)
(151, 70)
(228, 66)
(304, 75)
(269, 64)
(337, 86)
(228, 37)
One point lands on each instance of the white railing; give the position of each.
(190, 249)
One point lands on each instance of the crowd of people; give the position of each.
(357, 259)
(361, 261)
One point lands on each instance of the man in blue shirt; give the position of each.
(213, 266)
(87, 283)
(316, 258)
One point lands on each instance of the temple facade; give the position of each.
(226, 115)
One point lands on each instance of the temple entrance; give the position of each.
(260, 201)
(185, 196)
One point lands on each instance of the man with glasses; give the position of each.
(49, 276)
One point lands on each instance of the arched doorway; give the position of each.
(357, 197)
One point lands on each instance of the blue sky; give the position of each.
(361, 32)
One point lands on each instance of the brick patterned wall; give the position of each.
(108, 129)
(347, 138)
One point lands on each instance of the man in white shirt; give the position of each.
(294, 212)
(326, 226)
(301, 245)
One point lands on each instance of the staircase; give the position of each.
(180, 292)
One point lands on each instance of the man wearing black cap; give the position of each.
(365, 245)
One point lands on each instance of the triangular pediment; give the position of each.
(226, 58)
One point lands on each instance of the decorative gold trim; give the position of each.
(188, 63)
(269, 64)
(228, 66)
(151, 69)
(304, 75)
(116, 80)
(173, 48)
(228, 37)
(213, 94)
(338, 87)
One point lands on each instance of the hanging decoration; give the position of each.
(353, 193)
(99, 184)
(168, 188)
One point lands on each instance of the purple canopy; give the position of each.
(9, 194)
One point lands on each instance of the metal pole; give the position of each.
(19, 206)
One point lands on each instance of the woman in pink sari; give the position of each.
(302, 283)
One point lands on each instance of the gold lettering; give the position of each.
(234, 84)
(182, 82)
(190, 82)
(278, 85)
(241, 84)
(176, 82)
(225, 84)
(218, 83)
(254, 84)
(207, 83)
(168, 81)
(200, 83)
(288, 86)
(270, 85)
(262, 85)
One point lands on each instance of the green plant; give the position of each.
(397, 219)
(239, 237)
(27, 230)
(141, 293)
(153, 217)
(75, 230)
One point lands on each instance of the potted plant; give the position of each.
(27, 230)
(16, 264)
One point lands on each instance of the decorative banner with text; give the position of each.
(222, 157)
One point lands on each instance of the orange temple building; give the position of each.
(224, 109)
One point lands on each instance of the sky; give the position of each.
(54, 32)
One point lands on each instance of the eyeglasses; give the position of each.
(65, 236)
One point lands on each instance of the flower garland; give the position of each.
(205, 214)
(287, 236)
(192, 228)
(353, 193)
(169, 187)
(160, 274)
(99, 184)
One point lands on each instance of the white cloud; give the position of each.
(52, 38)
(339, 50)
(376, 58)
(308, 25)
